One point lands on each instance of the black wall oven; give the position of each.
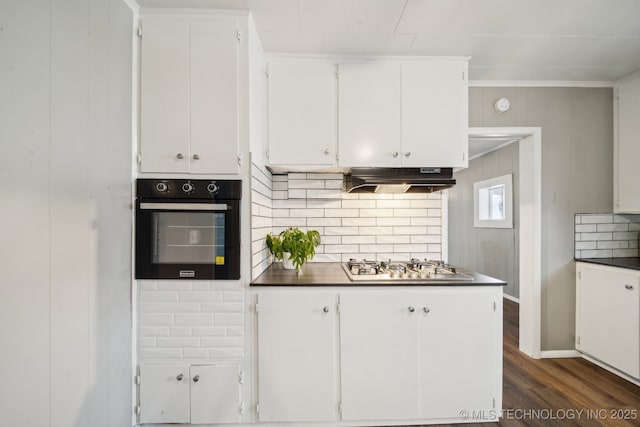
(188, 229)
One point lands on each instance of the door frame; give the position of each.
(530, 219)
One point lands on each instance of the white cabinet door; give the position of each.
(215, 395)
(379, 356)
(164, 394)
(214, 95)
(434, 114)
(297, 357)
(164, 91)
(608, 316)
(461, 351)
(189, 95)
(627, 172)
(302, 112)
(369, 115)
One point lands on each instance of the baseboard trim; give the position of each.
(559, 354)
(510, 298)
(610, 369)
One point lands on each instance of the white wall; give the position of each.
(65, 130)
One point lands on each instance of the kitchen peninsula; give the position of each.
(391, 352)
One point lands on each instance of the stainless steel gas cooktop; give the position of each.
(415, 270)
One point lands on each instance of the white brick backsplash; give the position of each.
(145, 354)
(276, 178)
(280, 213)
(342, 213)
(222, 341)
(196, 353)
(280, 195)
(409, 248)
(376, 212)
(201, 296)
(435, 204)
(359, 222)
(155, 319)
(350, 240)
(410, 230)
(374, 196)
(324, 204)
(359, 204)
(280, 186)
(289, 222)
(426, 221)
(233, 296)
(324, 194)
(322, 222)
(226, 353)
(333, 184)
(394, 221)
(306, 213)
(146, 342)
(209, 331)
(153, 331)
(222, 307)
(606, 235)
(421, 238)
(332, 240)
(289, 204)
(410, 212)
(297, 175)
(376, 231)
(228, 319)
(327, 257)
(341, 231)
(376, 248)
(202, 285)
(434, 213)
(180, 331)
(181, 342)
(338, 249)
(393, 204)
(147, 285)
(305, 183)
(297, 194)
(193, 319)
(393, 239)
(168, 307)
(174, 285)
(235, 331)
(434, 230)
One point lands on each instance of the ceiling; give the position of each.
(523, 40)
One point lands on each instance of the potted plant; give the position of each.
(294, 245)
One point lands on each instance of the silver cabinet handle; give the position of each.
(411, 309)
(395, 154)
(407, 154)
(180, 377)
(426, 309)
(628, 287)
(196, 157)
(326, 151)
(179, 156)
(325, 309)
(196, 378)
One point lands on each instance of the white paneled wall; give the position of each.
(372, 226)
(189, 320)
(606, 235)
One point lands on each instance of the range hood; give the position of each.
(398, 180)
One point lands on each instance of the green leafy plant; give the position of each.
(300, 245)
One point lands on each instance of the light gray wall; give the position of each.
(65, 225)
(491, 251)
(577, 176)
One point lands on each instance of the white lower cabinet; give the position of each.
(404, 354)
(297, 356)
(196, 394)
(608, 316)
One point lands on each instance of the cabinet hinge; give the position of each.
(495, 306)
(494, 403)
(241, 377)
(139, 158)
(266, 70)
(340, 408)
(617, 203)
(337, 74)
(241, 408)
(257, 408)
(463, 75)
(257, 308)
(463, 156)
(617, 93)
(139, 32)
(136, 380)
(239, 160)
(338, 308)
(239, 35)
(137, 410)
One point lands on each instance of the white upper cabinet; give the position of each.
(627, 147)
(369, 115)
(434, 114)
(302, 112)
(410, 114)
(189, 94)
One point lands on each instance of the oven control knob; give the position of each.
(162, 187)
(188, 187)
(212, 188)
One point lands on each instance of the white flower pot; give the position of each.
(287, 264)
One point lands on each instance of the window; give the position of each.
(493, 203)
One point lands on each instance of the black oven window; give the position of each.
(188, 237)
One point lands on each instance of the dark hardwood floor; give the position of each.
(560, 392)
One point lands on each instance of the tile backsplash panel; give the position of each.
(606, 235)
(372, 226)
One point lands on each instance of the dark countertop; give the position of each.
(332, 274)
(631, 263)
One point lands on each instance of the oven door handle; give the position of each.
(184, 206)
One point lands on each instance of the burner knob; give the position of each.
(188, 187)
(212, 188)
(162, 187)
